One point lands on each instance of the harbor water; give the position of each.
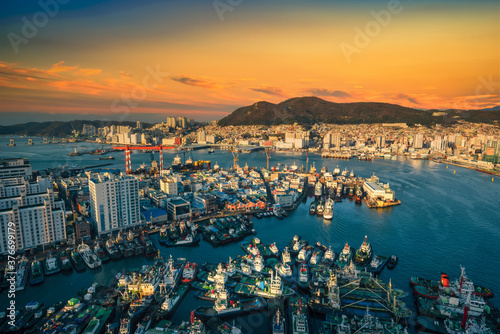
(446, 220)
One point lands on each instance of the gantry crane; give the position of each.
(128, 148)
(268, 156)
(236, 154)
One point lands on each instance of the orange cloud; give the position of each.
(87, 71)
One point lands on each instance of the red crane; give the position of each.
(127, 148)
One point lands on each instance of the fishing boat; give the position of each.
(100, 253)
(22, 273)
(51, 265)
(278, 324)
(312, 208)
(163, 238)
(364, 254)
(189, 272)
(286, 257)
(77, 261)
(284, 271)
(320, 208)
(328, 211)
(318, 189)
(304, 254)
(65, 261)
(345, 257)
(299, 315)
(88, 256)
(112, 250)
(150, 250)
(190, 239)
(36, 273)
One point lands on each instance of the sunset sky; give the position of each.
(120, 59)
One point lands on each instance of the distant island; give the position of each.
(311, 110)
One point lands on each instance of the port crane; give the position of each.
(128, 148)
(235, 153)
(268, 156)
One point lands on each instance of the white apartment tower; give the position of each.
(38, 217)
(114, 202)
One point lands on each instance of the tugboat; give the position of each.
(303, 277)
(51, 265)
(36, 276)
(363, 255)
(189, 273)
(77, 261)
(328, 258)
(344, 259)
(163, 238)
(393, 261)
(377, 264)
(65, 262)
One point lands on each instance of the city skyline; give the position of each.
(203, 60)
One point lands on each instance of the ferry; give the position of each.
(51, 265)
(36, 274)
(91, 260)
(364, 254)
(318, 189)
(328, 211)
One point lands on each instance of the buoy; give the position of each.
(492, 179)
(454, 172)
(446, 166)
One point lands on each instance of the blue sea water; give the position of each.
(446, 220)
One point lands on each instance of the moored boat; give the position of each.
(189, 272)
(51, 265)
(77, 261)
(22, 273)
(377, 264)
(36, 273)
(100, 253)
(65, 261)
(230, 307)
(345, 257)
(88, 256)
(364, 254)
(393, 261)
